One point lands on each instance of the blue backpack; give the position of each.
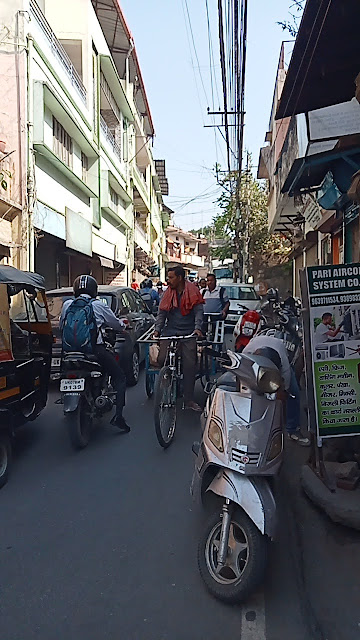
(79, 330)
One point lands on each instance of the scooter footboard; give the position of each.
(252, 494)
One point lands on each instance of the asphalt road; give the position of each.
(101, 544)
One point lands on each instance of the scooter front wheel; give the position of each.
(245, 562)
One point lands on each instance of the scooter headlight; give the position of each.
(215, 435)
(276, 447)
(268, 380)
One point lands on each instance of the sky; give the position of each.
(172, 44)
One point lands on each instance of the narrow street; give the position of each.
(102, 543)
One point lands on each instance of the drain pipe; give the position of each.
(30, 159)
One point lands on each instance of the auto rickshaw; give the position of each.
(25, 353)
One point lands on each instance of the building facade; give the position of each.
(82, 194)
(313, 142)
(185, 249)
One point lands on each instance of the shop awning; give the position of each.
(309, 172)
(325, 59)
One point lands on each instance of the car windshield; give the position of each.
(55, 303)
(241, 293)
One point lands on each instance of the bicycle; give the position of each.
(214, 336)
(167, 391)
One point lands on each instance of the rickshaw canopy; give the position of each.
(10, 275)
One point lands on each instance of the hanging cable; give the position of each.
(224, 83)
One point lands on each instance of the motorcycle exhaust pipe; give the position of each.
(104, 403)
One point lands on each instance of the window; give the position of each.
(27, 307)
(125, 303)
(114, 199)
(84, 166)
(62, 143)
(137, 303)
(241, 292)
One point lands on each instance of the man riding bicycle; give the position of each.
(181, 314)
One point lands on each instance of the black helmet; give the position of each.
(148, 284)
(85, 284)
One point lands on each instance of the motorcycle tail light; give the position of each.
(71, 376)
(276, 446)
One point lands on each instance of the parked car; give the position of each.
(124, 302)
(240, 295)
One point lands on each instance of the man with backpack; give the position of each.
(149, 295)
(216, 299)
(81, 322)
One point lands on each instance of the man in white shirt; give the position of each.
(290, 384)
(325, 332)
(216, 299)
(85, 286)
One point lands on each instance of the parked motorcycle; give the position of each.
(245, 328)
(242, 446)
(86, 391)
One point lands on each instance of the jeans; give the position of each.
(189, 362)
(118, 378)
(293, 405)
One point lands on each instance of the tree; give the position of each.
(295, 10)
(250, 222)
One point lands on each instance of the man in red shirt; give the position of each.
(134, 285)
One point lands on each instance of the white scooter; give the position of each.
(242, 445)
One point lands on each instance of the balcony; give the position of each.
(58, 50)
(142, 195)
(141, 238)
(110, 138)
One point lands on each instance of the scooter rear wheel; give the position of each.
(245, 562)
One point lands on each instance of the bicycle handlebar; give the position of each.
(152, 339)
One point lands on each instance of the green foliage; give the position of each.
(250, 219)
(295, 10)
(3, 175)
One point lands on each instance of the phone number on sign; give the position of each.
(338, 299)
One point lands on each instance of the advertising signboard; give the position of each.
(334, 321)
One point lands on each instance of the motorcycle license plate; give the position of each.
(78, 384)
(55, 362)
(250, 325)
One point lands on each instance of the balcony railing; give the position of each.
(110, 138)
(141, 231)
(58, 50)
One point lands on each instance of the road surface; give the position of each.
(101, 544)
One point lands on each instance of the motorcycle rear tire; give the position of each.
(233, 590)
(5, 458)
(79, 423)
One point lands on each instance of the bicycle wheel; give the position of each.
(165, 407)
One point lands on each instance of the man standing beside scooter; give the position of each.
(290, 383)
